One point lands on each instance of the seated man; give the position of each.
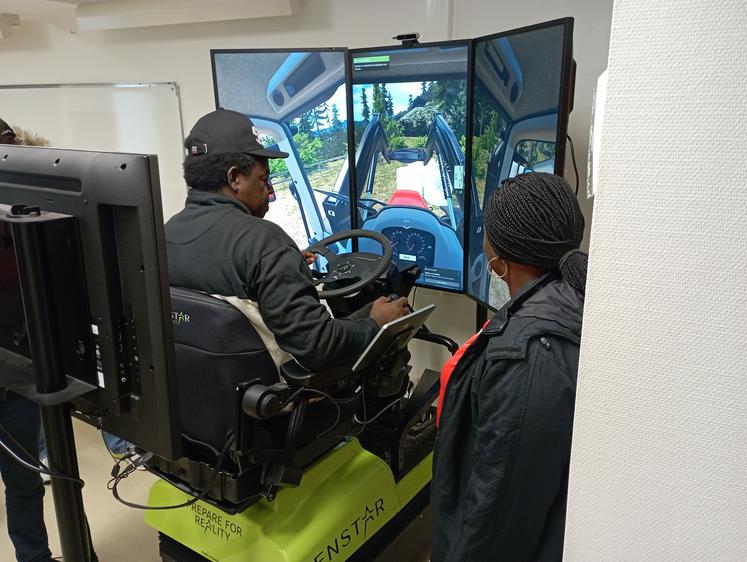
(220, 244)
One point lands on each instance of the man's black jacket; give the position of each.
(500, 469)
(217, 246)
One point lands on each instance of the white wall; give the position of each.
(41, 52)
(659, 462)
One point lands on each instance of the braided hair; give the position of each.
(535, 219)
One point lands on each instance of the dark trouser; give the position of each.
(24, 491)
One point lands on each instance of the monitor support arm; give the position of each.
(27, 229)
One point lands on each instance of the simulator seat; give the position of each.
(246, 432)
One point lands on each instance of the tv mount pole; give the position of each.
(53, 389)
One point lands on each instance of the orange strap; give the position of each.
(448, 369)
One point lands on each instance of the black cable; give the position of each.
(208, 446)
(339, 410)
(573, 159)
(365, 422)
(39, 467)
(292, 397)
(106, 445)
(129, 470)
(324, 395)
(365, 413)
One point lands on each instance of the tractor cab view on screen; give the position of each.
(409, 108)
(297, 100)
(406, 110)
(409, 116)
(520, 109)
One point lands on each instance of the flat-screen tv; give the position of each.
(297, 99)
(410, 117)
(521, 96)
(99, 227)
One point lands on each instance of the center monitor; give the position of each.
(410, 116)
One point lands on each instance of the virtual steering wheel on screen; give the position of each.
(363, 268)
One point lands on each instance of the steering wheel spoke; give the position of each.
(323, 251)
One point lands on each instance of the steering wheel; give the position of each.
(363, 266)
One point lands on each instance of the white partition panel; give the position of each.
(142, 118)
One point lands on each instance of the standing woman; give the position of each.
(500, 469)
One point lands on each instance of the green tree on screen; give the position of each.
(335, 117)
(321, 116)
(365, 110)
(306, 122)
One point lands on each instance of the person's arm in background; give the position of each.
(289, 304)
(524, 425)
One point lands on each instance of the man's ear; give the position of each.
(232, 176)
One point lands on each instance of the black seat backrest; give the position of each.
(216, 349)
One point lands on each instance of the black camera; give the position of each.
(408, 39)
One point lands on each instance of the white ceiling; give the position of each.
(37, 8)
(85, 14)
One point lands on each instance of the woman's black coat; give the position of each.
(500, 468)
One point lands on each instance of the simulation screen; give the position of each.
(409, 108)
(516, 110)
(297, 101)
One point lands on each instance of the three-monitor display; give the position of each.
(408, 109)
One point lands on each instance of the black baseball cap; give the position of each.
(223, 131)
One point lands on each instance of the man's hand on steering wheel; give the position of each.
(384, 310)
(310, 257)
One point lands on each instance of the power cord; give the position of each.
(117, 477)
(323, 395)
(38, 466)
(573, 158)
(339, 411)
(366, 422)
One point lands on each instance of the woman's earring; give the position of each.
(505, 265)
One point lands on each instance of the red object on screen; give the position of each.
(408, 197)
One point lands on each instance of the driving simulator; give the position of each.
(255, 460)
